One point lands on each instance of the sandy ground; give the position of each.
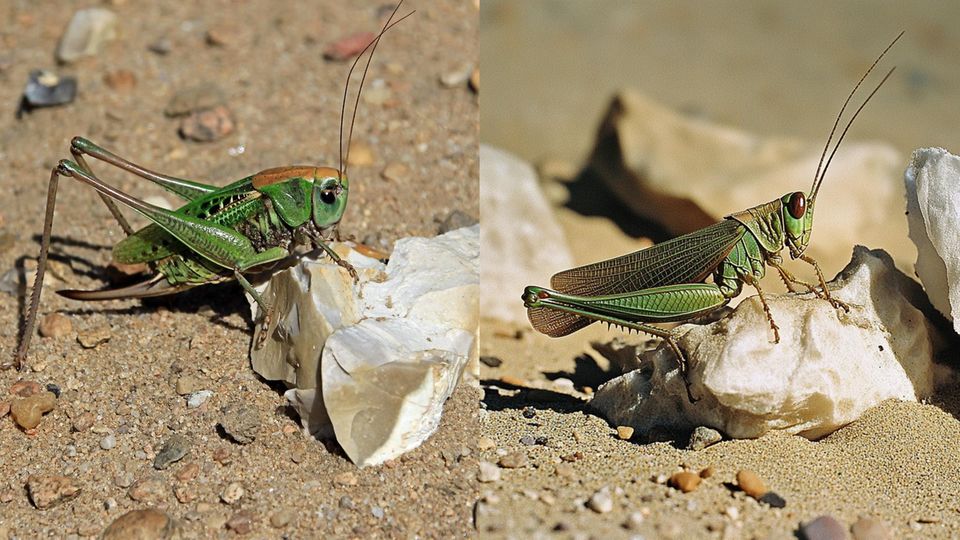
(767, 68)
(285, 100)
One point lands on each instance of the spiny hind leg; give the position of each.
(823, 283)
(766, 308)
(671, 341)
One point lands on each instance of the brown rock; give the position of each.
(27, 412)
(4, 408)
(222, 456)
(55, 325)
(347, 47)
(241, 522)
(25, 388)
(188, 472)
(92, 337)
(47, 491)
(184, 494)
(282, 518)
(150, 490)
(624, 432)
(395, 172)
(685, 481)
(121, 80)
(707, 471)
(207, 125)
(232, 493)
(345, 479)
(751, 484)
(146, 524)
(868, 528)
(513, 460)
(84, 421)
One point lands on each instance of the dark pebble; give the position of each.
(491, 361)
(46, 89)
(173, 450)
(529, 412)
(528, 440)
(240, 423)
(54, 388)
(541, 440)
(774, 500)
(823, 528)
(161, 46)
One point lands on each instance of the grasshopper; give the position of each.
(219, 234)
(667, 282)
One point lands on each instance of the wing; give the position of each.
(685, 259)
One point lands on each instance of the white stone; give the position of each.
(87, 31)
(374, 361)
(687, 173)
(522, 241)
(933, 213)
(828, 368)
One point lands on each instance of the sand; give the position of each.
(285, 100)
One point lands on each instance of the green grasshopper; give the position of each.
(220, 233)
(667, 282)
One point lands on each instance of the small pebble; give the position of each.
(347, 503)
(84, 421)
(685, 481)
(121, 80)
(150, 490)
(197, 399)
(223, 456)
(514, 460)
(377, 512)
(188, 472)
(625, 433)
(565, 470)
(240, 423)
(489, 361)
(220, 36)
(634, 521)
(456, 77)
(86, 33)
(24, 388)
(475, 80)
(485, 443)
(703, 437)
(707, 471)
(161, 46)
(345, 479)
(108, 442)
(27, 412)
(47, 491)
(93, 337)
(195, 98)
(53, 389)
(241, 522)
(772, 499)
(207, 125)
(282, 518)
(395, 172)
(529, 412)
(528, 440)
(601, 501)
(347, 47)
(232, 493)
(751, 484)
(868, 528)
(124, 480)
(55, 325)
(6, 496)
(109, 504)
(488, 472)
(173, 450)
(823, 528)
(187, 384)
(4, 408)
(361, 155)
(147, 523)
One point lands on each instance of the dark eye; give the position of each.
(328, 196)
(797, 205)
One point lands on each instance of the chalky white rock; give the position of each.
(373, 362)
(828, 368)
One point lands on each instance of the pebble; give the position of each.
(173, 450)
(148, 523)
(528, 440)
(347, 503)
(47, 491)
(475, 80)
(4, 408)
(634, 521)
(625, 433)
(489, 361)
(456, 77)
(361, 155)
(161, 46)
(751, 484)
(565, 470)
(488, 472)
(55, 325)
(27, 412)
(47, 89)
(6, 496)
(187, 384)
(378, 512)
(92, 337)
(457, 220)
(707, 471)
(109, 504)
(345, 479)
(197, 399)
(124, 480)
(240, 423)
(486, 443)
(108, 442)
(121, 80)
(823, 528)
(772, 499)
(86, 33)
(208, 125)
(395, 171)
(601, 501)
(24, 388)
(241, 522)
(282, 518)
(685, 481)
(347, 47)
(220, 36)
(529, 412)
(54, 389)
(199, 97)
(868, 528)
(150, 490)
(703, 437)
(232, 493)
(513, 460)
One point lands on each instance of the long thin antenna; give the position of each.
(341, 170)
(818, 177)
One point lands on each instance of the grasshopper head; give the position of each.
(329, 199)
(798, 221)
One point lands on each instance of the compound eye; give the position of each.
(797, 205)
(328, 196)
